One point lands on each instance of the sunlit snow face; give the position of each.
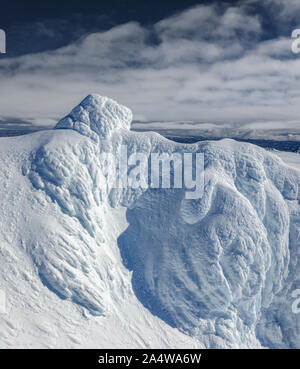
(191, 259)
(211, 258)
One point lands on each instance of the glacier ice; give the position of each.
(220, 269)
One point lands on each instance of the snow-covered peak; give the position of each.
(97, 116)
(223, 268)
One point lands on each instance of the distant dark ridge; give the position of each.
(18, 132)
(292, 146)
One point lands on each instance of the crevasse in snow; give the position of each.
(221, 268)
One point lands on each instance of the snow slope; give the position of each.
(291, 158)
(84, 264)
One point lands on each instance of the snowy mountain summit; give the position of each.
(97, 116)
(87, 264)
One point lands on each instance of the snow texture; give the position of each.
(218, 271)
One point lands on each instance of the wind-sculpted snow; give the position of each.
(97, 116)
(221, 267)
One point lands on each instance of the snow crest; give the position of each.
(222, 267)
(97, 116)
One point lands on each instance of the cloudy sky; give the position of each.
(225, 63)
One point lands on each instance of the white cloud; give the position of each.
(208, 65)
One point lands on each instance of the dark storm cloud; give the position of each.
(35, 25)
